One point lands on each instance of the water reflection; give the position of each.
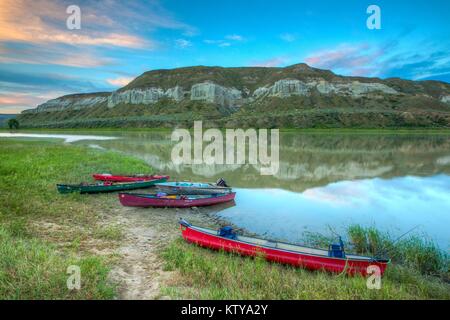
(392, 181)
(395, 205)
(68, 138)
(306, 160)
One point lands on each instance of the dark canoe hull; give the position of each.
(193, 190)
(142, 200)
(99, 188)
(127, 178)
(297, 259)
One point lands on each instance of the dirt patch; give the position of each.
(139, 272)
(136, 245)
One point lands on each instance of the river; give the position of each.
(325, 182)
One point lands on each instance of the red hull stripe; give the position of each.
(297, 259)
(119, 178)
(131, 200)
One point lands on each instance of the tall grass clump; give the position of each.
(412, 251)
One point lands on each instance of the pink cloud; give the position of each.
(273, 62)
(16, 102)
(103, 23)
(120, 82)
(53, 56)
(350, 59)
(41, 26)
(44, 21)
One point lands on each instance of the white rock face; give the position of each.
(261, 92)
(286, 88)
(325, 87)
(75, 103)
(357, 88)
(445, 99)
(175, 93)
(135, 96)
(214, 93)
(217, 94)
(144, 96)
(207, 91)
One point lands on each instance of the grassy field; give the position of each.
(33, 263)
(330, 131)
(34, 254)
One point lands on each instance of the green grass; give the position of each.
(206, 274)
(34, 168)
(114, 233)
(33, 269)
(33, 260)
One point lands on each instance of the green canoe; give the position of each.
(106, 186)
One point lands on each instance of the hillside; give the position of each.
(296, 96)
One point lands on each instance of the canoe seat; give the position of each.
(227, 232)
(336, 250)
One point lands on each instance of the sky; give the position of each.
(41, 58)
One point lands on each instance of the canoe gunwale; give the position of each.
(113, 187)
(193, 185)
(145, 201)
(353, 256)
(129, 178)
(192, 190)
(154, 196)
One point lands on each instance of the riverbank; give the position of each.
(43, 233)
(130, 253)
(382, 131)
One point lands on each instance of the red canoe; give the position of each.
(295, 255)
(128, 178)
(174, 201)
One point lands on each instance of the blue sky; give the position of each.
(41, 59)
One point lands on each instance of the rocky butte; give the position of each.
(229, 95)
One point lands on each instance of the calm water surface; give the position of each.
(393, 182)
(66, 137)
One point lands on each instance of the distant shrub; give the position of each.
(13, 124)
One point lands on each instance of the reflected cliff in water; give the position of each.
(392, 182)
(306, 160)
